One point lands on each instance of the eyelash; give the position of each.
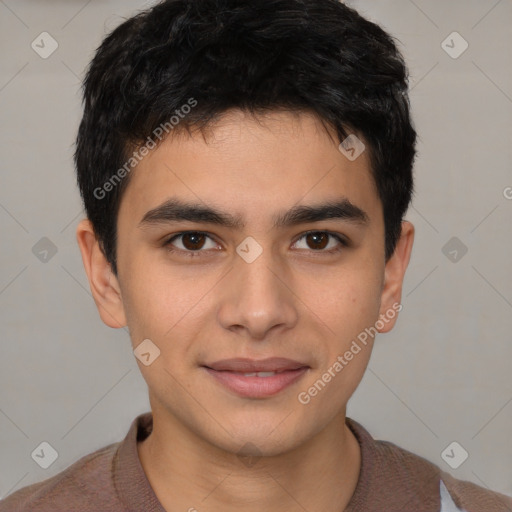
(194, 254)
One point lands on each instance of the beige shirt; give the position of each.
(391, 480)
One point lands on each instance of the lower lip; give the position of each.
(257, 387)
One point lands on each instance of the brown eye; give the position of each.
(317, 240)
(191, 242)
(321, 241)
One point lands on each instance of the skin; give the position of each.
(295, 300)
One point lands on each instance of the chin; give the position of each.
(258, 434)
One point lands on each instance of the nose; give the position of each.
(258, 297)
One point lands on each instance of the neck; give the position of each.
(192, 474)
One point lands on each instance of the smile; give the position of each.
(256, 379)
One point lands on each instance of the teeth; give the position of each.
(259, 374)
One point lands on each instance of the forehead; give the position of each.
(252, 164)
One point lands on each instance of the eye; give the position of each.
(319, 240)
(192, 242)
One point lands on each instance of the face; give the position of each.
(281, 273)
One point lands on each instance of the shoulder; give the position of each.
(393, 478)
(79, 487)
(418, 475)
(470, 497)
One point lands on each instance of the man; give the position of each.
(245, 169)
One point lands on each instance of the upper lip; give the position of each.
(271, 364)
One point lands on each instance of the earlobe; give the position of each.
(103, 283)
(394, 275)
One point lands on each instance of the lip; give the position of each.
(230, 373)
(271, 364)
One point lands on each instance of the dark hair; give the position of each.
(316, 56)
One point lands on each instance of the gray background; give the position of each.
(442, 375)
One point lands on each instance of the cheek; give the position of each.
(166, 307)
(148, 300)
(345, 316)
(348, 303)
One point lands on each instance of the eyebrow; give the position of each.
(175, 210)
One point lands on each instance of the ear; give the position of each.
(103, 283)
(394, 273)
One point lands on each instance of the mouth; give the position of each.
(257, 374)
(256, 379)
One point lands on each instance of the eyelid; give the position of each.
(340, 237)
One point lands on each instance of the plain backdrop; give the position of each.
(442, 375)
